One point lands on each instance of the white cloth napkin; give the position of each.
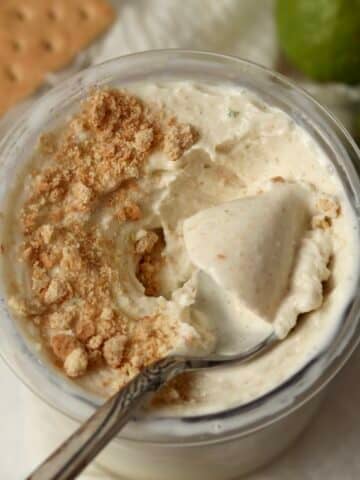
(328, 450)
(236, 27)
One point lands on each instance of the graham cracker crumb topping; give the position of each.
(329, 209)
(93, 164)
(178, 138)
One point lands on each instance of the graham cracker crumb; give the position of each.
(85, 328)
(46, 232)
(95, 342)
(76, 362)
(144, 139)
(56, 291)
(146, 243)
(61, 320)
(278, 179)
(94, 164)
(330, 207)
(81, 196)
(321, 221)
(178, 391)
(113, 350)
(132, 212)
(40, 280)
(63, 344)
(178, 138)
(150, 248)
(37, 320)
(95, 358)
(150, 339)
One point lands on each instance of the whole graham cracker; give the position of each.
(41, 36)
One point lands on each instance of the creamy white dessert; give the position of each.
(122, 207)
(264, 254)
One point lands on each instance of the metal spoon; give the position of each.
(83, 446)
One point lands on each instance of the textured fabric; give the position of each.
(236, 27)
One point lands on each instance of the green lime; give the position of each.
(321, 37)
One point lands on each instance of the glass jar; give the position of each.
(225, 444)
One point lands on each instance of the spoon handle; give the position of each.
(87, 441)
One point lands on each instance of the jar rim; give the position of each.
(274, 404)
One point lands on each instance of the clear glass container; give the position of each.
(216, 446)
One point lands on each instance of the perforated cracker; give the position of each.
(41, 36)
